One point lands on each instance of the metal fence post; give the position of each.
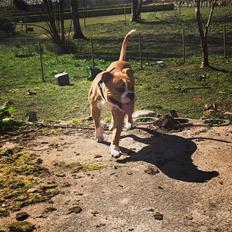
(225, 41)
(41, 61)
(140, 51)
(183, 44)
(92, 53)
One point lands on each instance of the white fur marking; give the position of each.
(115, 151)
(128, 126)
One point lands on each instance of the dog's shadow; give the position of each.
(171, 154)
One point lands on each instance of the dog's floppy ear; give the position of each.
(106, 76)
(128, 71)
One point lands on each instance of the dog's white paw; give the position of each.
(111, 126)
(128, 126)
(115, 151)
(99, 135)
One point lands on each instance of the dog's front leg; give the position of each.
(96, 113)
(118, 117)
(129, 123)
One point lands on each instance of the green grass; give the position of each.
(177, 86)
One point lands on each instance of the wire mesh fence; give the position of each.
(147, 51)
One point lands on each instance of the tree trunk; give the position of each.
(136, 9)
(203, 32)
(204, 54)
(76, 21)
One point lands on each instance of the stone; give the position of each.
(31, 93)
(60, 175)
(31, 116)
(173, 113)
(129, 173)
(47, 211)
(97, 156)
(167, 122)
(151, 170)
(227, 115)
(74, 209)
(144, 113)
(94, 213)
(21, 216)
(160, 64)
(62, 78)
(158, 216)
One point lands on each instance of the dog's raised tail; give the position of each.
(124, 45)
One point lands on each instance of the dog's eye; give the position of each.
(121, 89)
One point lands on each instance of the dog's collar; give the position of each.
(111, 100)
(100, 85)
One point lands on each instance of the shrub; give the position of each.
(6, 25)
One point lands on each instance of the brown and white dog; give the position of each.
(113, 89)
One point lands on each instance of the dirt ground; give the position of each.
(165, 182)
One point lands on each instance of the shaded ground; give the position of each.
(183, 176)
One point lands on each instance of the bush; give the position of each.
(6, 25)
(6, 122)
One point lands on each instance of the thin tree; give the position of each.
(78, 34)
(54, 11)
(203, 31)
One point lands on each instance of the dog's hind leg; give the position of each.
(96, 113)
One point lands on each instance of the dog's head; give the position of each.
(119, 89)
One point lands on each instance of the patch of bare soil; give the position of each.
(179, 181)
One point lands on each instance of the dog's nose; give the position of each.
(131, 96)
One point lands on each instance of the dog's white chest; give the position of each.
(104, 105)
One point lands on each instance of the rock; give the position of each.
(189, 217)
(4, 212)
(168, 122)
(74, 209)
(152, 170)
(97, 156)
(160, 64)
(31, 93)
(100, 225)
(227, 115)
(65, 185)
(21, 216)
(129, 173)
(31, 116)
(144, 113)
(80, 194)
(47, 211)
(158, 216)
(160, 187)
(60, 175)
(173, 113)
(88, 118)
(62, 79)
(94, 213)
(150, 210)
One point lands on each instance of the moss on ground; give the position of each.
(76, 166)
(21, 227)
(19, 173)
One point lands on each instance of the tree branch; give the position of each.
(210, 17)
